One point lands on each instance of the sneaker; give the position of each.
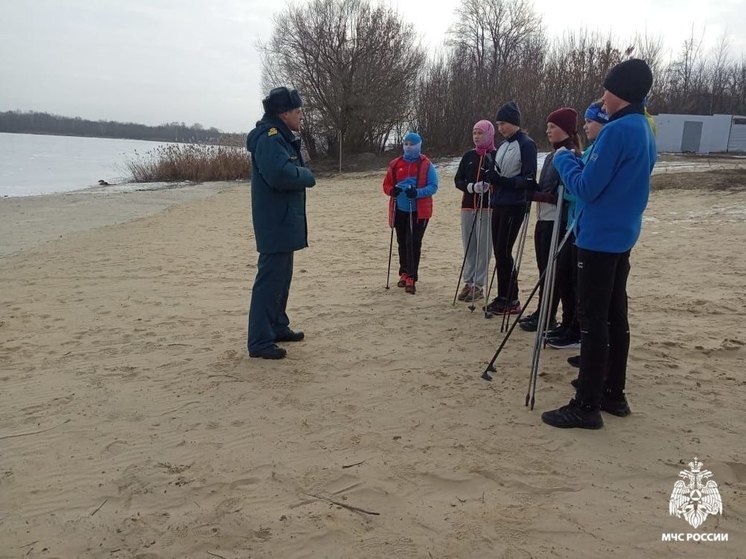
(290, 336)
(534, 316)
(409, 287)
(475, 294)
(464, 293)
(498, 306)
(615, 405)
(271, 352)
(556, 331)
(402, 280)
(564, 342)
(574, 361)
(530, 324)
(574, 416)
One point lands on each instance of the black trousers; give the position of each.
(542, 247)
(567, 281)
(409, 234)
(604, 329)
(506, 223)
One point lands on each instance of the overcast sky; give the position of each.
(156, 61)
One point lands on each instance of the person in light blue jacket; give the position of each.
(612, 190)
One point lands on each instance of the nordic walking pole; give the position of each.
(491, 365)
(546, 305)
(391, 248)
(468, 242)
(488, 314)
(463, 262)
(516, 267)
(411, 243)
(477, 212)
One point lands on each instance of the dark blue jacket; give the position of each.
(278, 187)
(613, 186)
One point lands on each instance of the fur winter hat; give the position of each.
(630, 80)
(281, 100)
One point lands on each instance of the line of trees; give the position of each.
(365, 79)
(30, 122)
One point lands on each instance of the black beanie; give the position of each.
(630, 80)
(281, 100)
(509, 112)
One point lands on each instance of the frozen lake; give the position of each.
(32, 164)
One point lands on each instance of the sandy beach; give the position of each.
(134, 424)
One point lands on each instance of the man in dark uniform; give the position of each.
(278, 206)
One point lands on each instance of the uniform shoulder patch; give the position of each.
(272, 132)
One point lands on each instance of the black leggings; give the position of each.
(542, 246)
(409, 245)
(604, 329)
(506, 222)
(567, 281)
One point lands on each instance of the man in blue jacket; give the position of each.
(278, 208)
(612, 191)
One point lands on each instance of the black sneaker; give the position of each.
(529, 325)
(534, 316)
(573, 416)
(557, 331)
(574, 361)
(615, 405)
(564, 342)
(271, 352)
(290, 336)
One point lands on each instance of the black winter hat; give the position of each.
(630, 80)
(281, 100)
(509, 112)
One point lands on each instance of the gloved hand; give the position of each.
(546, 197)
(470, 188)
(396, 191)
(481, 187)
(412, 192)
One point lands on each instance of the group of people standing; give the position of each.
(605, 186)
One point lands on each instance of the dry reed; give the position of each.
(190, 162)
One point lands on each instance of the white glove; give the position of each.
(481, 187)
(470, 188)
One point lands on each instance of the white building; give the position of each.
(700, 133)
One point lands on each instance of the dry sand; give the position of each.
(133, 423)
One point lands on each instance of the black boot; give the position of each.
(290, 336)
(615, 404)
(272, 352)
(574, 415)
(574, 361)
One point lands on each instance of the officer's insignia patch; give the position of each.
(272, 132)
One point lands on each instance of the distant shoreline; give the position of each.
(154, 140)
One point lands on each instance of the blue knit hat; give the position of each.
(412, 137)
(596, 113)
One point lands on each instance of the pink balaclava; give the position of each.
(488, 140)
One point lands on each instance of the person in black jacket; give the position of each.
(279, 181)
(561, 132)
(476, 226)
(514, 173)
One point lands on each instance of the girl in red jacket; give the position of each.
(411, 182)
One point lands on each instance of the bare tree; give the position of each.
(355, 64)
